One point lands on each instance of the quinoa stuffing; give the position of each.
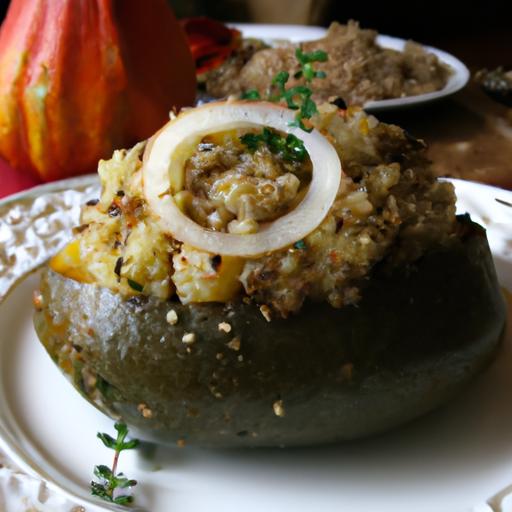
(389, 208)
(230, 189)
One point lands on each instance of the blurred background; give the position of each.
(480, 33)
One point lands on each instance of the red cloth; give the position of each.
(12, 181)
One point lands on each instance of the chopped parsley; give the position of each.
(135, 286)
(251, 94)
(297, 98)
(290, 148)
(306, 60)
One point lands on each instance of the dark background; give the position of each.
(480, 33)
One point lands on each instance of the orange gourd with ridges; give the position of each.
(79, 78)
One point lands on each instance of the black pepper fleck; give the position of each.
(266, 275)
(414, 142)
(340, 103)
(216, 262)
(80, 229)
(114, 210)
(117, 268)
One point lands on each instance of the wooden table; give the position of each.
(469, 136)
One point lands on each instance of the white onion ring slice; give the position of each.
(176, 141)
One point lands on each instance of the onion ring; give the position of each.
(169, 149)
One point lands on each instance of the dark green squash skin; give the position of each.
(414, 341)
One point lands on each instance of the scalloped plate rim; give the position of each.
(10, 444)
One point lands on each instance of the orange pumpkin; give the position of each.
(80, 78)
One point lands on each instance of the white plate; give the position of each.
(295, 33)
(455, 459)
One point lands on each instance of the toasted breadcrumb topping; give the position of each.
(234, 344)
(278, 407)
(390, 208)
(224, 327)
(189, 338)
(172, 317)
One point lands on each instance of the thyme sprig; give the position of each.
(306, 60)
(297, 97)
(110, 481)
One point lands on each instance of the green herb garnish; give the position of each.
(251, 94)
(279, 81)
(297, 98)
(110, 481)
(290, 148)
(300, 244)
(307, 107)
(135, 286)
(306, 60)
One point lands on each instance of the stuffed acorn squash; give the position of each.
(243, 282)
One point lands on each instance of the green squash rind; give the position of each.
(417, 337)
